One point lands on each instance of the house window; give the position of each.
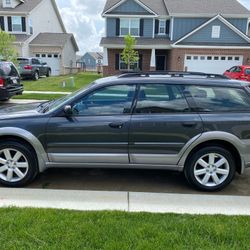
(124, 66)
(37, 55)
(216, 32)
(129, 26)
(162, 27)
(17, 24)
(43, 55)
(7, 2)
(30, 26)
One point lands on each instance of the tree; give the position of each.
(129, 55)
(7, 50)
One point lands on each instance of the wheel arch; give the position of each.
(30, 139)
(222, 139)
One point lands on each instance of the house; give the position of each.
(91, 61)
(195, 35)
(40, 32)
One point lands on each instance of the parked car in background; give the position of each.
(239, 73)
(197, 124)
(33, 68)
(10, 83)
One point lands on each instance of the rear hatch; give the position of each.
(23, 65)
(9, 76)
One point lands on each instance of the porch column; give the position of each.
(105, 57)
(152, 61)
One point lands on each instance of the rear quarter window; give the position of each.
(219, 99)
(247, 71)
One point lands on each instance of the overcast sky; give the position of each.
(83, 18)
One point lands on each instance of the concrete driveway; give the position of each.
(153, 181)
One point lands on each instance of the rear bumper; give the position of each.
(6, 93)
(27, 74)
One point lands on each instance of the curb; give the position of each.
(125, 201)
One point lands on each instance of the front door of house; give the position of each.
(160, 63)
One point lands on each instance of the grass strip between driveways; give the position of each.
(63, 229)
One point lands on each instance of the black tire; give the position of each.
(28, 157)
(36, 76)
(193, 166)
(48, 73)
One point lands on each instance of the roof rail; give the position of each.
(171, 74)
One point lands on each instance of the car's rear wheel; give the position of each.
(48, 73)
(36, 76)
(18, 164)
(210, 169)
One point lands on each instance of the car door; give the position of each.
(97, 132)
(161, 125)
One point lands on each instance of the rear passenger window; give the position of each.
(160, 98)
(247, 71)
(219, 99)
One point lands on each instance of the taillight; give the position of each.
(28, 67)
(1, 82)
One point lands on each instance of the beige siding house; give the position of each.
(40, 32)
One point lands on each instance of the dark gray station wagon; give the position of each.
(192, 123)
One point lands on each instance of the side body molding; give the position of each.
(243, 146)
(27, 136)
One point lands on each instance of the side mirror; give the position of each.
(68, 110)
(227, 70)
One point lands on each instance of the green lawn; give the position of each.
(61, 229)
(55, 84)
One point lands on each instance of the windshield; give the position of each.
(54, 104)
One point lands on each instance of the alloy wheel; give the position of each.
(211, 169)
(13, 165)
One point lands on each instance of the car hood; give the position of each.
(17, 111)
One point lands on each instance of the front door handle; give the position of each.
(189, 124)
(118, 125)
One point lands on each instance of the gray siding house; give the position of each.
(194, 35)
(39, 32)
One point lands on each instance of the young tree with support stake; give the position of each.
(129, 55)
(7, 50)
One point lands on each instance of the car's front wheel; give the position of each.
(18, 164)
(210, 169)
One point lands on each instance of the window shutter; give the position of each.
(1, 22)
(117, 27)
(142, 27)
(140, 61)
(167, 26)
(23, 24)
(9, 23)
(117, 61)
(156, 26)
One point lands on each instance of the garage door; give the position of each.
(53, 62)
(211, 64)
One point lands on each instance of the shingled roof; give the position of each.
(25, 6)
(196, 7)
(53, 39)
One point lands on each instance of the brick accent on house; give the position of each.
(177, 56)
(110, 70)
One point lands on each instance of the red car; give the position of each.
(239, 73)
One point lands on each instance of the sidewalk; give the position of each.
(125, 201)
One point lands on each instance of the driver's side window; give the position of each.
(111, 100)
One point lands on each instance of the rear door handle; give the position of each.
(118, 125)
(189, 124)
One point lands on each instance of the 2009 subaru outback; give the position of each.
(199, 125)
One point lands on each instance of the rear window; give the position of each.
(219, 99)
(23, 61)
(8, 69)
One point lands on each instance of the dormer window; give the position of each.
(216, 31)
(8, 2)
